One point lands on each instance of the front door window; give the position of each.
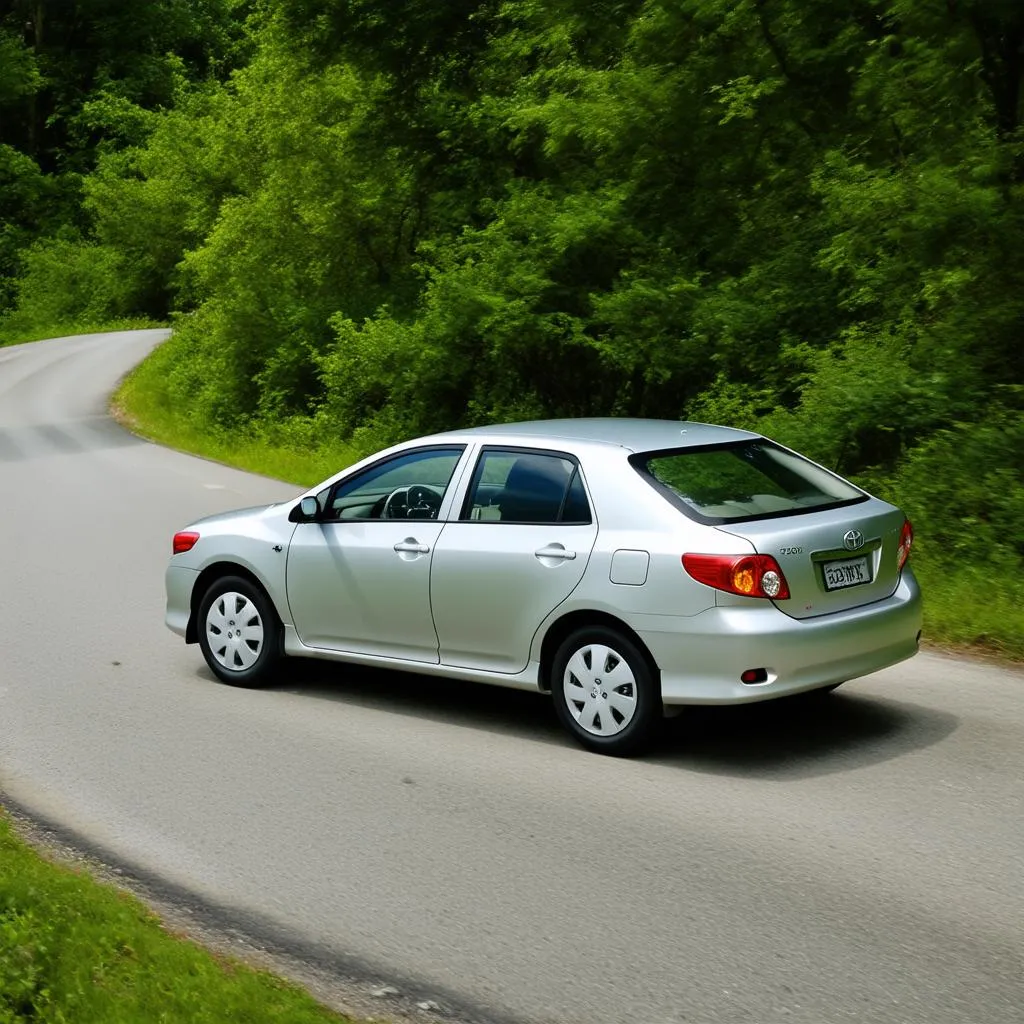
(409, 486)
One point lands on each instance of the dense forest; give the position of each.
(372, 219)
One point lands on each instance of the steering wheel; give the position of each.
(418, 501)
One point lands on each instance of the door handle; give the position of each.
(555, 551)
(412, 545)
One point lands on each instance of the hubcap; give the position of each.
(599, 690)
(234, 631)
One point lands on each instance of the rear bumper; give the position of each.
(702, 657)
(179, 582)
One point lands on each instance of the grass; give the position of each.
(142, 404)
(73, 950)
(972, 609)
(12, 334)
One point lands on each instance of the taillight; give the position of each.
(906, 541)
(184, 541)
(746, 575)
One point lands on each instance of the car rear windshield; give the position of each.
(743, 480)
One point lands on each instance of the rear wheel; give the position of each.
(604, 691)
(239, 633)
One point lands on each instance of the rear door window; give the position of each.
(743, 480)
(511, 486)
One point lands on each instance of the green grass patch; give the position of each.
(73, 950)
(12, 333)
(972, 607)
(288, 451)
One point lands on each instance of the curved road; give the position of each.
(856, 858)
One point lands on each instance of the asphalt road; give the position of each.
(854, 858)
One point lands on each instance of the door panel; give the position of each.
(359, 579)
(493, 583)
(364, 587)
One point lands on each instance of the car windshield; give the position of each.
(743, 480)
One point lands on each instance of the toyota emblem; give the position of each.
(853, 539)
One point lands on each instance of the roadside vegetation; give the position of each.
(372, 221)
(72, 950)
(954, 615)
(292, 451)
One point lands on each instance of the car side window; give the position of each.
(576, 508)
(407, 486)
(526, 487)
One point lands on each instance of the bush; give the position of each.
(964, 490)
(67, 281)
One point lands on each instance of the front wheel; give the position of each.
(604, 691)
(239, 632)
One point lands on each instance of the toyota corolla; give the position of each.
(625, 567)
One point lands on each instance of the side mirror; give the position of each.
(307, 511)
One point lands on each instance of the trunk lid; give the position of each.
(833, 559)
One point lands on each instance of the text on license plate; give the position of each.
(847, 573)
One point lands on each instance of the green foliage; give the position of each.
(23, 196)
(19, 72)
(77, 80)
(67, 55)
(66, 279)
(295, 449)
(72, 950)
(964, 488)
(376, 220)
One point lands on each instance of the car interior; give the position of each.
(528, 488)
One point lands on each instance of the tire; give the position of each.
(604, 691)
(239, 632)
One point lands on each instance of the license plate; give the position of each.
(848, 573)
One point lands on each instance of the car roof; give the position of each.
(638, 435)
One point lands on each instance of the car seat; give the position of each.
(534, 489)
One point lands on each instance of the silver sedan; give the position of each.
(626, 567)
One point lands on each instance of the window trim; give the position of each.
(639, 460)
(450, 488)
(467, 503)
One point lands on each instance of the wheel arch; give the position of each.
(569, 623)
(214, 572)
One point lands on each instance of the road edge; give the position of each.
(342, 983)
